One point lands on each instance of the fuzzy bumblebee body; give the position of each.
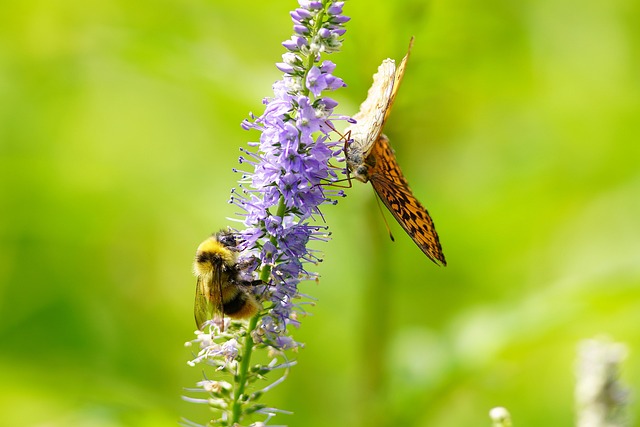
(219, 289)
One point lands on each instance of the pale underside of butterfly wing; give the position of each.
(399, 74)
(393, 189)
(376, 108)
(370, 118)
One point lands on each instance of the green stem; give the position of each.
(236, 407)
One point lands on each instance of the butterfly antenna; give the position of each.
(384, 217)
(343, 136)
(410, 44)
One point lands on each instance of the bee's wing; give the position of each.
(209, 299)
(215, 297)
(202, 306)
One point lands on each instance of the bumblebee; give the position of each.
(220, 289)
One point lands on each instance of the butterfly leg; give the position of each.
(346, 137)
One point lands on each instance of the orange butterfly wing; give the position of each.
(393, 189)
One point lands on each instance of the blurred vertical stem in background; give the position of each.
(374, 408)
(601, 399)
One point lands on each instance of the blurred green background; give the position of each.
(518, 126)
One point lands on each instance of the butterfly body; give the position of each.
(370, 158)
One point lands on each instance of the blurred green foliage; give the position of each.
(517, 125)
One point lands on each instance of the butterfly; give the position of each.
(370, 158)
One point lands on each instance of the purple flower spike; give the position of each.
(293, 160)
(279, 196)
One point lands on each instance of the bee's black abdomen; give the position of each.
(236, 304)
